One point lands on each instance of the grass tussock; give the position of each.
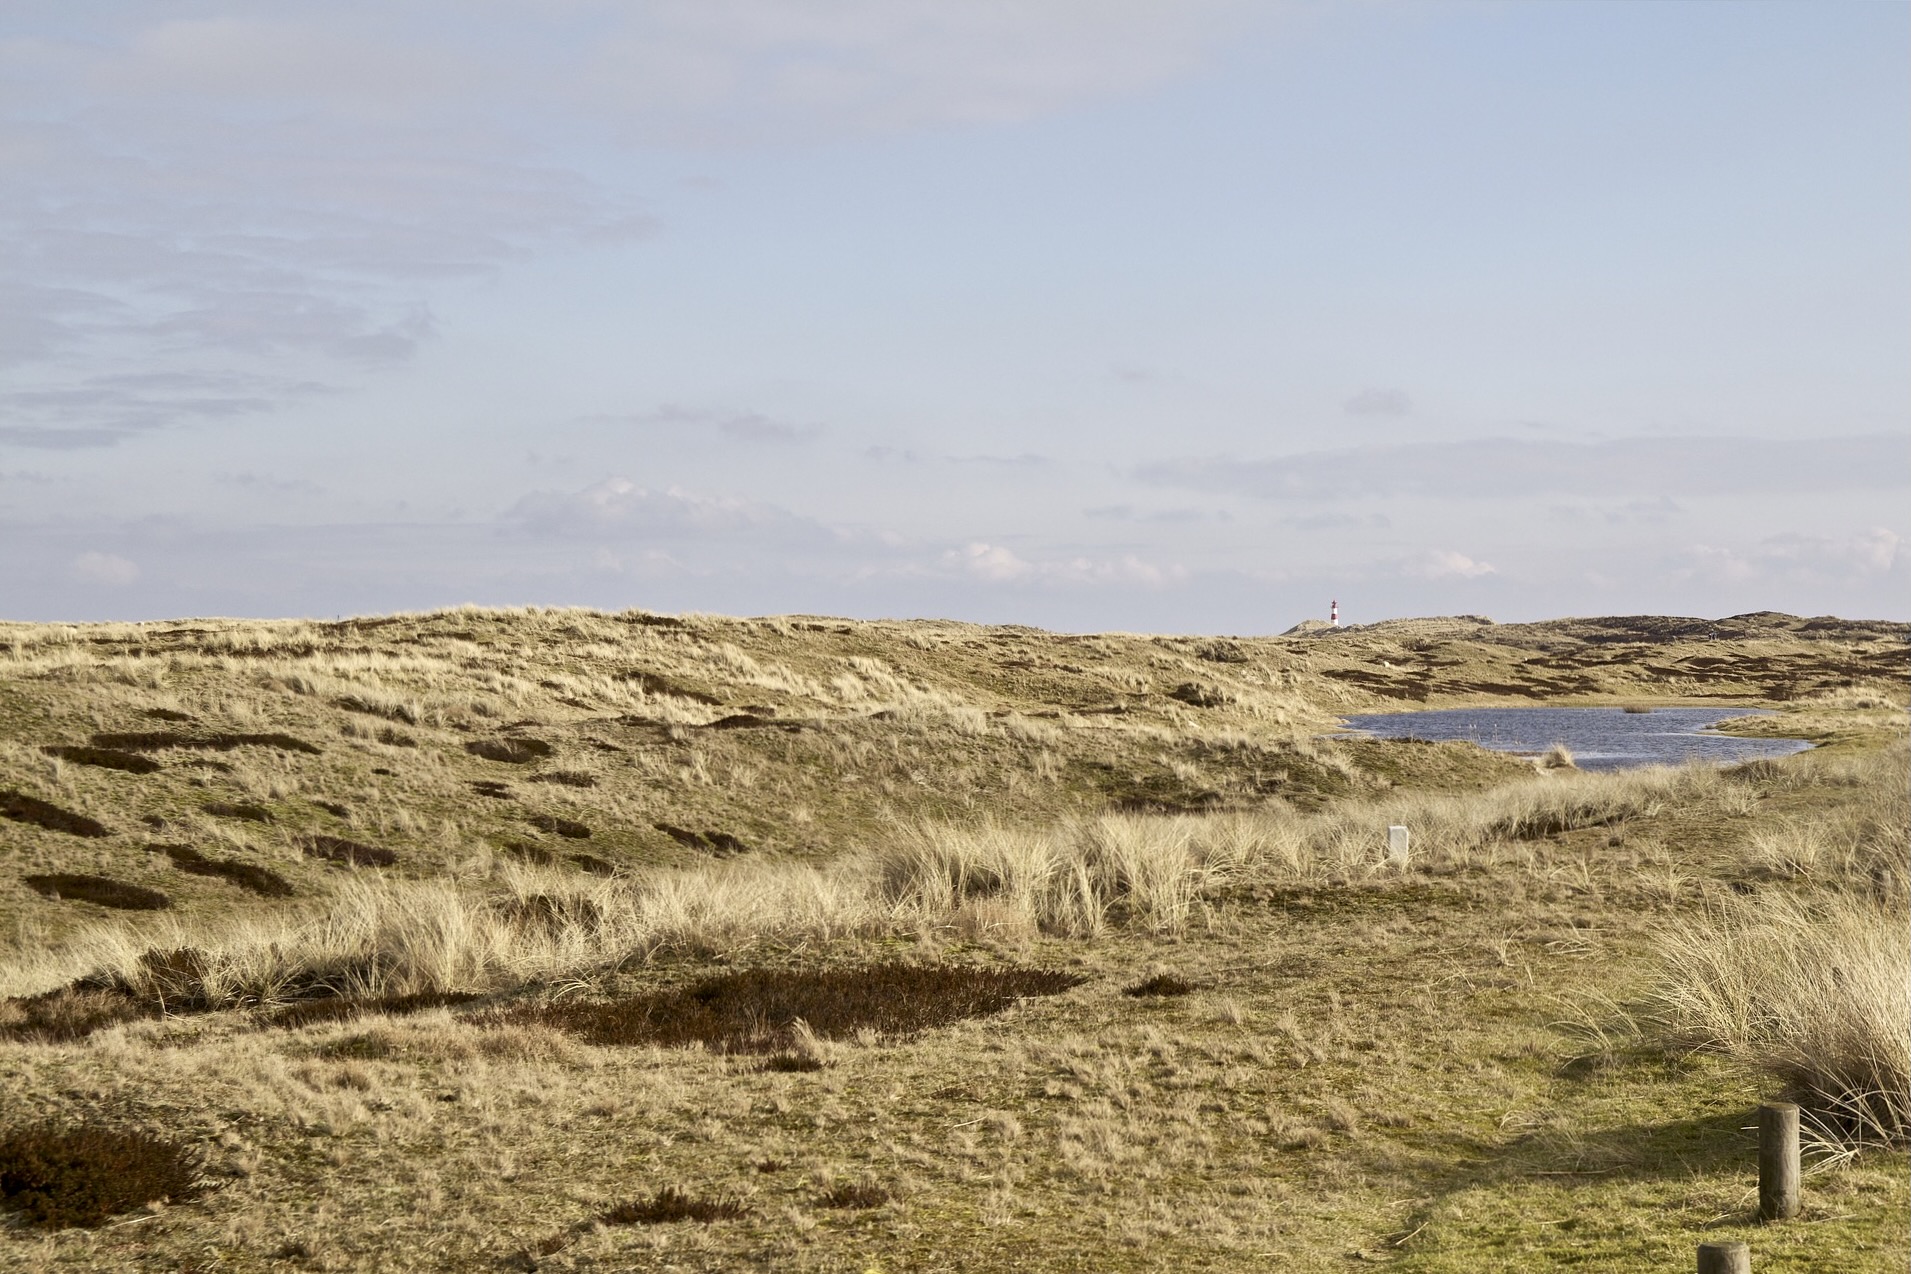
(59, 1177)
(1815, 993)
(772, 1010)
(855, 1194)
(672, 1203)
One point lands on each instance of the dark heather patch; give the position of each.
(568, 778)
(683, 835)
(60, 1177)
(724, 843)
(22, 808)
(333, 808)
(510, 751)
(565, 827)
(349, 852)
(260, 880)
(753, 1011)
(167, 714)
(594, 865)
(154, 740)
(1161, 984)
(99, 890)
(104, 758)
(527, 851)
(239, 809)
(491, 788)
(343, 1008)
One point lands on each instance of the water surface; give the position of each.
(1599, 738)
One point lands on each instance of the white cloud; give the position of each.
(1873, 552)
(104, 568)
(618, 506)
(1447, 564)
(995, 564)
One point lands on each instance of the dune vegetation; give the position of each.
(556, 939)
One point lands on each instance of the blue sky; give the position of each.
(1159, 317)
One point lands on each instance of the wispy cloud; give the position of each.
(1379, 402)
(1871, 553)
(618, 507)
(1501, 468)
(108, 569)
(738, 426)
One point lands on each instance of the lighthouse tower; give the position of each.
(1333, 612)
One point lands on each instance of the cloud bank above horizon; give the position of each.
(1117, 315)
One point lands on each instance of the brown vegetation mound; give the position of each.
(154, 740)
(509, 751)
(566, 827)
(63, 1177)
(105, 758)
(22, 808)
(260, 880)
(754, 1011)
(98, 889)
(350, 852)
(345, 1008)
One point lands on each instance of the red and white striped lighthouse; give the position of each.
(1333, 612)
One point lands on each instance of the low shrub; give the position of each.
(1163, 984)
(100, 890)
(58, 1177)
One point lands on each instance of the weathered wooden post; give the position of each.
(1397, 845)
(1778, 1168)
(1725, 1258)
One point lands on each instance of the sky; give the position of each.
(1177, 316)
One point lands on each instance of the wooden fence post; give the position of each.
(1778, 1168)
(1725, 1258)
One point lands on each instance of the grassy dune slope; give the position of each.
(480, 857)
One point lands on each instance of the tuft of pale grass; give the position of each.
(1815, 993)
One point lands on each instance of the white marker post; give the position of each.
(1397, 845)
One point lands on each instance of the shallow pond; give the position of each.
(1598, 738)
